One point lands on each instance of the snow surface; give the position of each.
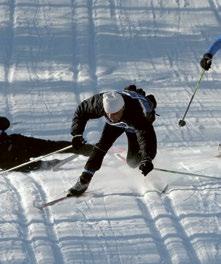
(55, 53)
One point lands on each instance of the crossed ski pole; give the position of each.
(182, 122)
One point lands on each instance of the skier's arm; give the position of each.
(79, 120)
(88, 109)
(206, 61)
(148, 144)
(215, 47)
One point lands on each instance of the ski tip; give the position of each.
(165, 188)
(43, 205)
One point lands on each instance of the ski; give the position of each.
(44, 205)
(160, 191)
(57, 200)
(64, 161)
(50, 203)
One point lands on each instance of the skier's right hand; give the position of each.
(77, 142)
(206, 61)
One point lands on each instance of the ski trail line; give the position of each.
(181, 231)
(23, 222)
(40, 220)
(151, 223)
(166, 228)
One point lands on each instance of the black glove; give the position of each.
(146, 166)
(77, 142)
(152, 99)
(206, 61)
(133, 88)
(141, 91)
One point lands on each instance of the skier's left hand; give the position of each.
(146, 166)
(206, 61)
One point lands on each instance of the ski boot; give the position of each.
(80, 186)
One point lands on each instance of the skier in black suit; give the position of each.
(129, 111)
(16, 149)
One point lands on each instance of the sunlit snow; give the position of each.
(56, 53)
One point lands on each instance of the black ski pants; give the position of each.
(109, 135)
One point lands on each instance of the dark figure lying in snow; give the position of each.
(16, 149)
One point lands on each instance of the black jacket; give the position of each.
(92, 108)
(133, 116)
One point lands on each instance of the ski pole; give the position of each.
(64, 161)
(188, 173)
(182, 122)
(120, 157)
(35, 159)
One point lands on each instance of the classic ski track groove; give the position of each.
(24, 226)
(155, 232)
(159, 219)
(181, 230)
(46, 220)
